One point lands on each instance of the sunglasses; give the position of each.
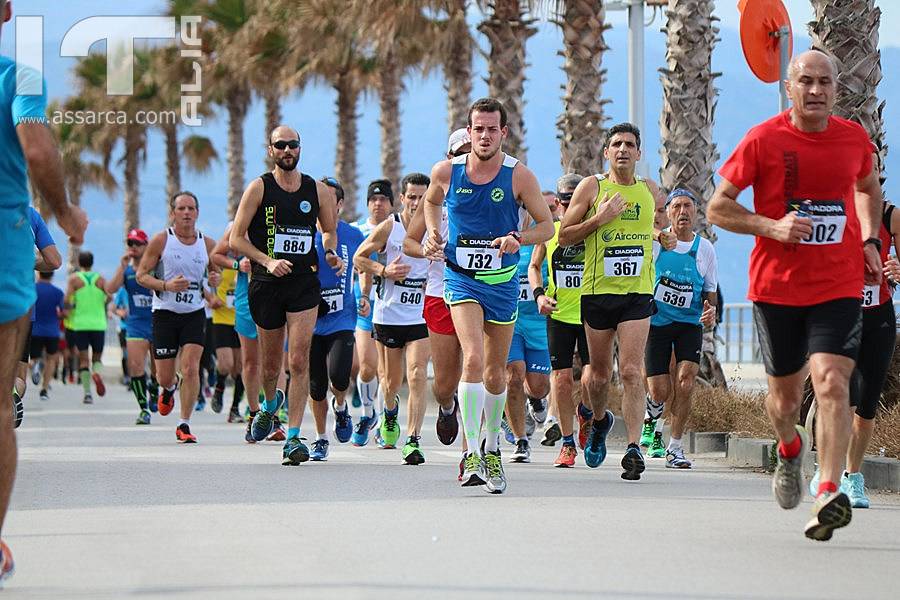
(134, 243)
(282, 144)
(565, 197)
(338, 188)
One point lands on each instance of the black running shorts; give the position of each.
(270, 301)
(40, 344)
(173, 330)
(686, 339)
(879, 332)
(563, 339)
(789, 334)
(330, 359)
(89, 339)
(224, 336)
(398, 336)
(606, 311)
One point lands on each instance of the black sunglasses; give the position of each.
(338, 188)
(281, 144)
(134, 243)
(565, 197)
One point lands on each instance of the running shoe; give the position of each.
(234, 416)
(552, 434)
(647, 432)
(462, 468)
(201, 403)
(88, 399)
(356, 401)
(595, 450)
(379, 441)
(633, 463)
(814, 484)
(153, 399)
(319, 451)
(566, 458)
(530, 424)
(217, 401)
(831, 511)
(18, 409)
(7, 564)
(473, 470)
(657, 449)
(675, 459)
(36, 369)
(508, 435)
(248, 433)
(447, 426)
(277, 434)
(360, 436)
(854, 485)
(184, 436)
(343, 424)
(283, 414)
(412, 454)
(584, 427)
(143, 418)
(294, 452)
(390, 430)
(496, 477)
(166, 401)
(98, 383)
(787, 483)
(537, 408)
(44, 395)
(522, 453)
(264, 421)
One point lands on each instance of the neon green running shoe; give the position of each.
(389, 430)
(283, 414)
(647, 432)
(412, 454)
(657, 449)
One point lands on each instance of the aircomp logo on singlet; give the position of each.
(497, 194)
(270, 231)
(619, 235)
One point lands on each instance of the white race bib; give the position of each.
(142, 301)
(229, 299)
(828, 220)
(410, 292)
(192, 295)
(568, 276)
(871, 296)
(334, 297)
(293, 241)
(623, 261)
(476, 254)
(674, 293)
(524, 289)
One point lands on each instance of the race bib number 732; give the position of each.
(476, 254)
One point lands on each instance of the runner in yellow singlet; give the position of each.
(613, 214)
(225, 338)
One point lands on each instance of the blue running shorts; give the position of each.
(529, 344)
(17, 294)
(500, 302)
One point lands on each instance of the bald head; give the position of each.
(284, 132)
(811, 60)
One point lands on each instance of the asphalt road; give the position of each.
(105, 509)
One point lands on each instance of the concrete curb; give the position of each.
(881, 473)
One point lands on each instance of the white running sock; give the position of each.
(184, 422)
(447, 412)
(675, 444)
(493, 415)
(471, 404)
(339, 407)
(659, 425)
(368, 390)
(322, 436)
(379, 401)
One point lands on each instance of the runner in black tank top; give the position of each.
(275, 227)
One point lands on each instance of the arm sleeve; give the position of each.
(741, 167)
(42, 237)
(32, 109)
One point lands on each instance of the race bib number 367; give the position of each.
(623, 261)
(828, 220)
(476, 254)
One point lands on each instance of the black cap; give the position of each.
(380, 187)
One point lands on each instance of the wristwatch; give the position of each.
(875, 242)
(516, 236)
(330, 251)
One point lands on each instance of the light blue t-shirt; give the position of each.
(16, 109)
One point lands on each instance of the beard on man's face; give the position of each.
(286, 163)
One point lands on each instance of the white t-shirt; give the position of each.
(707, 264)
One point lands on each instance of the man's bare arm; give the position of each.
(48, 259)
(868, 204)
(220, 253)
(529, 192)
(250, 202)
(374, 243)
(151, 258)
(535, 276)
(574, 228)
(724, 211)
(412, 243)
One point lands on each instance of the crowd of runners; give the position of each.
(529, 305)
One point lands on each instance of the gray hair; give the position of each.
(568, 181)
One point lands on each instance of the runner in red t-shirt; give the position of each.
(817, 203)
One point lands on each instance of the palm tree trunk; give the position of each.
(581, 123)
(458, 66)
(272, 100)
(236, 103)
(173, 164)
(345, 165)
(507, 30)
(390, 86)
(689, 102)
(132, 179)
(848, 31)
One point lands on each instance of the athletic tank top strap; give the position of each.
(678, 287)
(401, 302)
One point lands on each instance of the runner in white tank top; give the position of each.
(188, 261)
(399, 327)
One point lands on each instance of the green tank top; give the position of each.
(89, 313)
(618, 257)
(566, 270)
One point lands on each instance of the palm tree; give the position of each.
(507, 29)
(848, 31)
(689, 102)
(79, 171)
(581, 123)
(455, 46)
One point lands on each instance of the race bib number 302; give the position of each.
(476, 254)
(829, 219)
(293, 241)
(623, 261)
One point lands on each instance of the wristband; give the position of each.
(330, 251)
(516, 236)
(164, 286)
(538, 291)
(235, 265)
(875, 242)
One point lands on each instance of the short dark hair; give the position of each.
(85, 260)
(414, 179)
(488, 105)
(184, 193)
(46, 275)
(622, 128)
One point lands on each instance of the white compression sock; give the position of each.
(368, 390)
(675, 444)
(471, 404)
(493, 415)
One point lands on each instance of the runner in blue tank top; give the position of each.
(685, 295)
(487, 195)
